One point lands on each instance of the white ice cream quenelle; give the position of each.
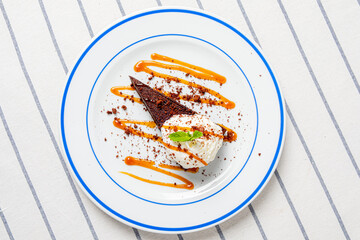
(204, 147)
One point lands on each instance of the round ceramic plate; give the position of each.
(95, 149)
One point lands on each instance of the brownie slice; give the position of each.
(159, 106)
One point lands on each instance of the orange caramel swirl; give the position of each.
(150, 165)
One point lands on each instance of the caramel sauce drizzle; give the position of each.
(150, 165)
(230, 135)
(189, 69)
(143, 66)
(200, 72)
(117, 92)
(150, 124)
(129, 130)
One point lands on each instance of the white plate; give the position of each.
(226, 186)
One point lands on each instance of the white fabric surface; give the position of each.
(313, 47)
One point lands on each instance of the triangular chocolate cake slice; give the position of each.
(159, 106)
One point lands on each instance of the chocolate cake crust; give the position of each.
(160, 107)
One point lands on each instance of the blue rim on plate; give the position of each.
(163, 35)
(177, 229)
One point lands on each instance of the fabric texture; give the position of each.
(313, 47)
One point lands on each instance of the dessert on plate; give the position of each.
(191, 139)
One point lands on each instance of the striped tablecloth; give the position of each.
(314, 47)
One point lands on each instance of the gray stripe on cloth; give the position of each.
(199, 4)
(288, 199)
(51, 134)
(333, 34)
(83, 12)
(304, 146)
(247, 20)
(85, 18)
(120, 7)
(6, 225)
(302, 140)
(253, 213)
(317, 85)
(137, 234)
(158, 2)
(313, 164)
(180, 237)
(283, 188)
(218, 229)
(53, 38)
(21, 163)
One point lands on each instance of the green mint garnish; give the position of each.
(196, 134)
(181, 136)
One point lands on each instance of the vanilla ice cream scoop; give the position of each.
(204, 147)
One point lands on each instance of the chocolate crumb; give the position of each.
(114, 110)
(196, 98)
(105, 139)
(109, 112)
(123, 107)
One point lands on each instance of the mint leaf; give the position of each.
(181, 136)
(196, 134)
